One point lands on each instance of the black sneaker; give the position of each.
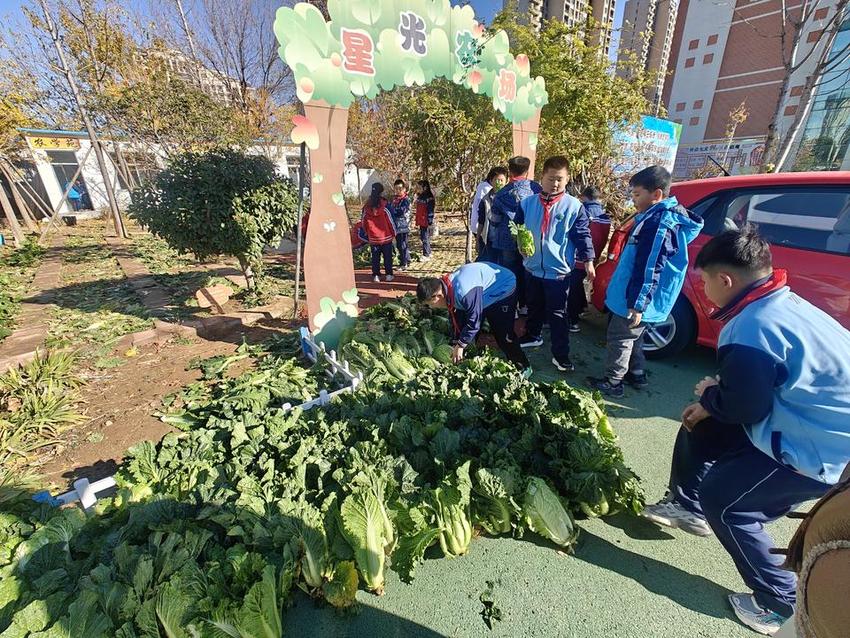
(637, 381)
(563, 366)
(528, 341)
(574, 327)
(606, 387)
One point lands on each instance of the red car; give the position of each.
(804, 216)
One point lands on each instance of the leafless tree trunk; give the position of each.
(191, 41)
(99, 74)
(72, 84)
(827, 62)
(794, 29)
(14, 226)
(29, 221)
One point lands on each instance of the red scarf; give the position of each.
(548, 202)
(397, 199)
(450, 302)
(779, 279)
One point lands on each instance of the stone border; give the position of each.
(155, 298)
(21, 346)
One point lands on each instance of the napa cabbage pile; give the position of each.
(213, 527)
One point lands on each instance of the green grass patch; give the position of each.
(95, 306)
(17, 269)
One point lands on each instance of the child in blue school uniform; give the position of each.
(472, 293)
(770, 432)
(561, 231)
(401, 219)
(648, 279)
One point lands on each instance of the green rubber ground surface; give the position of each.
(628, 578)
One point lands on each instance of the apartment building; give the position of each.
(725, 55)
(223, 90)
(573, 13)
(647, 35)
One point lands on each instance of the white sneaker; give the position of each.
(424, 258)
(376, 279)
(755, 616)
(389, 278)
(670, 514)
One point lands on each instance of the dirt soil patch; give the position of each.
(120, 402)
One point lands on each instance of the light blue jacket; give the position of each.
(565, 238)
(789, 346)
(476, 287)
(654, 263)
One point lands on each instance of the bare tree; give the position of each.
(65, 69)
(827, 62)
(101, 49)
(236, 40)
(795, 23)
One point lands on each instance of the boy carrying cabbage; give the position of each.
(472, 293)
(560, 230)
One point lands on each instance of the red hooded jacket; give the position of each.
(378, 223)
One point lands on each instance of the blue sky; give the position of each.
(484, 9)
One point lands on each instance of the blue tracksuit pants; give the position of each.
(718, 474)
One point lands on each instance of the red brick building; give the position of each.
(724, 55)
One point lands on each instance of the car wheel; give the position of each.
(668, 338)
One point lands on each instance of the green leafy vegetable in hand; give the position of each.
(524, 239)
(443, 353)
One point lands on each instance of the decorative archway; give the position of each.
(371, 46)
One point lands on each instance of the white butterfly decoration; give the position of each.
(330, 226)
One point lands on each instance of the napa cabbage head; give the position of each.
(545, 514)
(493, 504)
(451, 507)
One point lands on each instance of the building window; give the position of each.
(797, 91)
(814, 36)
(712, 39)
(678, 120)
(821, 13)
(791, 109)
(689, 62)
(693, 44)
(680, 106)
(708, 59)
(698, 104)
(694, 121)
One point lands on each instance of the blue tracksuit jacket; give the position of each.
(476, 287)
(565, 239)
(785, 375)
(596, 212)
(506, 205)
(652, 269)
(401, 214)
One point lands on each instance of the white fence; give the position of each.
(86, 493)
